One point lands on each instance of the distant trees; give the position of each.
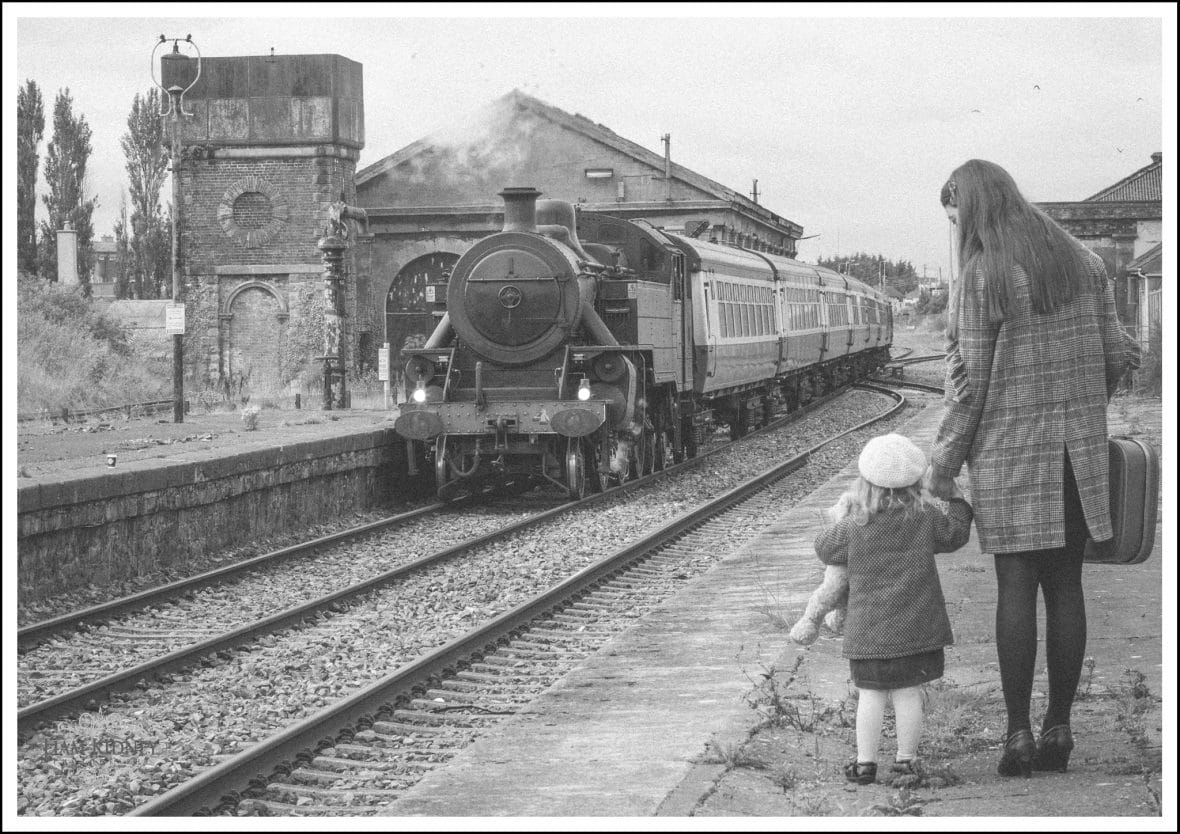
(876, 271)
(122, 252)
(149, 235)
(65, 175)
(30, 127)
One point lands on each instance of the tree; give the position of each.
(30, 127)
(65, 174)
(122, 252)
(875, 270)
(147, 164)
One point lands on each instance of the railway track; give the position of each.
(364, 750)
(161, 633)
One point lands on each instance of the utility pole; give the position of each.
(667, 140)
(175, 317)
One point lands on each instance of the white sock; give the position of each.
(907, 709)
(870, 710)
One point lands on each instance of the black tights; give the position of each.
(1058, 572)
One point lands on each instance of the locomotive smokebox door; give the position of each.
(514, 297)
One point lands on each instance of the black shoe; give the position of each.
(906, 767)
(1053, 749)
(862, 773)
(1019, 750)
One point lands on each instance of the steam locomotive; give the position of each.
(583, 351)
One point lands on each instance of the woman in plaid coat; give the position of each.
(1035, 351)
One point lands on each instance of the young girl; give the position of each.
(887, 533)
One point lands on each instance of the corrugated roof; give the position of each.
(1145, 185)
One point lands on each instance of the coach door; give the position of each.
(681, 319)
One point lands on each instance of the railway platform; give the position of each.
(668, 719)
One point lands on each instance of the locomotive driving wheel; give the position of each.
(606, 450)
(575, 469)
(442, 469)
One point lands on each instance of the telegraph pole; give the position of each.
(175, 316)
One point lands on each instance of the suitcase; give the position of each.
(1134, 497)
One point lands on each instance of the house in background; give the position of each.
(1123, 224)
(106, 268)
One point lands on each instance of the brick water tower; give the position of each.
(272, 142)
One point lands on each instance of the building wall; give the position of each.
(1114, 231)
(272, 144)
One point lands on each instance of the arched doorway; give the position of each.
(254, 340)
(408, 318)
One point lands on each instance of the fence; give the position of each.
(64, 415)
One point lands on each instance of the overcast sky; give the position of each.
(850, 124)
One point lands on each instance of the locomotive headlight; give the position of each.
(584, 389)
(419, 394)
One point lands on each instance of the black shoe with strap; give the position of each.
(861, 773)
(1053, 749)
(1019, 750)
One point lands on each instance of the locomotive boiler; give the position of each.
(580, 350)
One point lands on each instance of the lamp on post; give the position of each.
(175, 318)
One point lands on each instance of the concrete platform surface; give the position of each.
(662, 721)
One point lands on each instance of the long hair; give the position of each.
(863, 500)
(999, 229)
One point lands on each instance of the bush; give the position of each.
(71, 356)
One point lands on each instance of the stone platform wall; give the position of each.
(153, 515)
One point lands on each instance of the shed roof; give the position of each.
(1149, 263)
(1142, 186)
(593, 130)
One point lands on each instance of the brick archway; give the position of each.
(254, 329)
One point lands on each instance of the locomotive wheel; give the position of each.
(442, 469)
(575, 469)
(659, 442)
(608, 479)
(645, 451)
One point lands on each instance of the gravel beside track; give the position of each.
(68, 661)
(250, 693)
(33, 612)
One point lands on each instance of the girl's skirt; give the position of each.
(898, 672)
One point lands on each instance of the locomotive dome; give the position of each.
(514, 296)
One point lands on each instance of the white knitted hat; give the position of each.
(892, 461)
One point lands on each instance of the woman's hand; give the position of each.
(941, 486)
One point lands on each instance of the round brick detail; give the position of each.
(252, 211)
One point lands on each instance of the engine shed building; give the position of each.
(428, 202)
(1123, 224)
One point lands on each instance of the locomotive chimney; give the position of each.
(520, 209)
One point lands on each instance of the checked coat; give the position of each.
(1036, 386)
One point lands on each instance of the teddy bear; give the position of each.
(828, 602)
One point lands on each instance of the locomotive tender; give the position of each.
(583, 352)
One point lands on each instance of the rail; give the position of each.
(224, 783)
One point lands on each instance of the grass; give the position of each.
(71, 356)
(776, 699)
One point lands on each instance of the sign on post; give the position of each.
(174, 319)
(383, 363)
(383, 370)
